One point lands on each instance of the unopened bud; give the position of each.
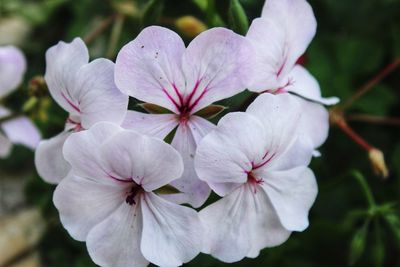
(37, 86)
(128, 9)
(190, 26)
(378, 162)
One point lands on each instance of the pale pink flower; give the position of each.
(254, 160)
(157, 68)
(19, 130)
(86, 91)
(279, 38)
(108, 201)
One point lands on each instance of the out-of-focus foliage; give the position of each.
(355, 40)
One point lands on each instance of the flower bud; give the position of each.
(37, 86)
(190, 26)
(378, 162)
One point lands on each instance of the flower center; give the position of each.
(131, 197)
(75, 125)
(254, 181)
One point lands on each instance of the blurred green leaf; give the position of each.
(358, 243)
(152, 12)
(238, 20)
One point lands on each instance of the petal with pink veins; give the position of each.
(63, 62)
(98, 97)
(157, 125)
(149, 68)
(280, 37)
(225, 155)
(172, 234)
(216, 66)
(149, 161)
(241, 224)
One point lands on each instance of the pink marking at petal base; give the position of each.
(70, 103)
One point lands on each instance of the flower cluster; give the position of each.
(15, 129)
(121, 185)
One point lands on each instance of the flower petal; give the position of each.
(5, 146)
(82, 151)
(84, 203)
(292, 194)
(156, 125)
(21, 131)
(304, 84)
(280, 37)
(98, 97)
(149, 67)
(62, 64)
(194, 191)
(226, 154)
(49, 159)
(149, 161)
(172, 234)
(314, 122)
(281, 114)
(216, 66)
(115, 242)
(241, 224)
(12, 69)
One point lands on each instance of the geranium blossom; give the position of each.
(254, 160)
(280, 37)
(108, 201)
(157, 68)
(18, 130)
(86, 91)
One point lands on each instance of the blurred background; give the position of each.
(355, 220)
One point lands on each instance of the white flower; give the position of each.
(86, 91)
(157, 68)
(254, 160)
(108, 201)
(19, 130)
(280, 37)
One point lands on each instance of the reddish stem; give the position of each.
(371, 83)
(353, 135)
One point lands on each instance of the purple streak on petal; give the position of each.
(263, 163)
(70, 102)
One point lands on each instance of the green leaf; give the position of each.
(167, 190)
(154, 109)
(210, 111)
(238, 20)
(202, 4)
(394, 222)
(378, 246)
(170, 136)
(152, 12)
(358, 242)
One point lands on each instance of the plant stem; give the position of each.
(341, 123)
(99, 29)
(371, 83)
(365, 188)
(115, 35)
(374, 119)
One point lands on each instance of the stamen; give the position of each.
(131, 197)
